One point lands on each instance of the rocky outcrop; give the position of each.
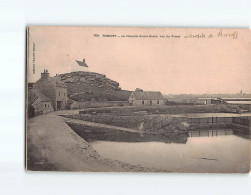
(164, 124)
(90, 86)
(90, 78)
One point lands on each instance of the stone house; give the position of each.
(54, 89)
(38, 103)
(146, 98)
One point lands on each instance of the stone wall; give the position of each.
(94, 133)
(96, 104)
(168, 109)
(156, 123)
(42, 108)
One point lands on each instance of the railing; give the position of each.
(210, 120)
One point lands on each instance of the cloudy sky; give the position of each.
(172, 65)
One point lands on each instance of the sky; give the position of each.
(183, 61)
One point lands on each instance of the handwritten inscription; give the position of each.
(233, 35)
(192, 36)
(220, 34)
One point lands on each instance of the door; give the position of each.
(59, 103)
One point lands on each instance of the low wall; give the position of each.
(94, 104)
(243, 106)
(94, 133)
(149, 122)
(168, 109)
(187, 101)
(121, 121)
(158, 124)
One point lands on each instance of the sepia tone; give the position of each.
(110, 99)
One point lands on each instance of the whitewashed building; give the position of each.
(146, 98)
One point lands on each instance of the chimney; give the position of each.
(45, 74)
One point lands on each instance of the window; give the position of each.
(64, 94)
(48, 105)
(158, 102)
(45, 105)
(143, 102)
(58, 93)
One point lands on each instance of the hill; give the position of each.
(86, 86)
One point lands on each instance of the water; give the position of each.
(207, 151)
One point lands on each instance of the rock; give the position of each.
(172, 127)
(167, 128)
(164, 124)
(183, 126)
(166, 120)
(149, 124)
(176, 131)
(94, 79)
(158, 126)
(158, 120)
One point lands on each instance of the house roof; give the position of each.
(34, 95)
(31, 98)
(147, 95)
(57, 81)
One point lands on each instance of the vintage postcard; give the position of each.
(111, 99)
